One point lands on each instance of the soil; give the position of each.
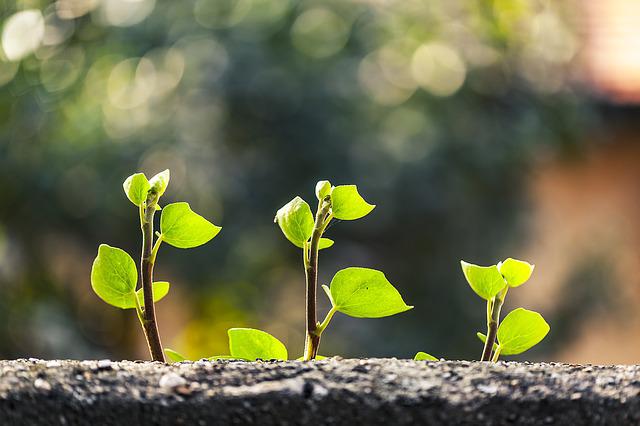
(330, 392)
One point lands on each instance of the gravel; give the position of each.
(331, 392)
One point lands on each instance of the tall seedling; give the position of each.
(358, 292)
(114, 276)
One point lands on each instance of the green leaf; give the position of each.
(296, 221)
(183, 228)
(324, 243)
(347, 204)
(515, 272)
(327, 291)
(136, 188)
(114, 276)
(486, 281)
(174, 356)
(483, 339)
(160, 290)
(323, 188)
(160, 182)
(365, 293)
(423, 356)
(521, 330)
(252, 344)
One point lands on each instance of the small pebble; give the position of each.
(53, 364)
(104, 364)
(42, 384)
(488, 388)
(172, 380)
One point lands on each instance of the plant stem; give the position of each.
(147, 261)
(493, 319)
(496, 354)
(312, 337)
(321, 327)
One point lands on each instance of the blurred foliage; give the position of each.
(436, 109)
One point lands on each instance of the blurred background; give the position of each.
(481, 129)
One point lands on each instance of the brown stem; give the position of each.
(492, 325)
(149, 323)
(312, 339)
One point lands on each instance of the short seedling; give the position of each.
(357, 292)
(114, 276)
(521, 329)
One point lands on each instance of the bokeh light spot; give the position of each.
(124, 13)
(438, 68)
(319, 33)
(22, 34)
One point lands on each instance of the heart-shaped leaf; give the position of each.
(296, 221)
(114, 276)
(183, 228)
(515, 272)
(348, 204)
(365, 293)
(521, 330)
(136, 188)
(486, 281)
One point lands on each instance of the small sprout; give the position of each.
(521, 329)
(358, 292)
(114, 276)
(159, 183)
(323, 189)
(251, 344)
(423, 356)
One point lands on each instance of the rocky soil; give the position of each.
(330, 392)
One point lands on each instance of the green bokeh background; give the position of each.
(436, 110)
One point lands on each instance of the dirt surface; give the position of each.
(331, 392)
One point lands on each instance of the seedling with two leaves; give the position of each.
(114, 276)
(521, 329)
(357, 292)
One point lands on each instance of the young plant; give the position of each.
(357, 292)
(114, 277)
(521, 329)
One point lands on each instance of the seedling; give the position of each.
(114, 276)
(357, 292)
(521, 329)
